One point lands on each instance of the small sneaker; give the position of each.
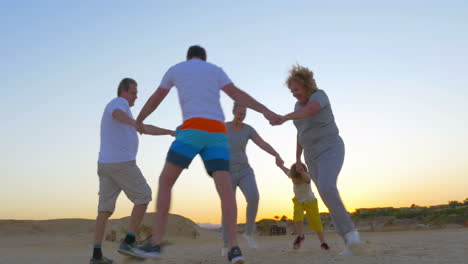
(127, 249)
(148, 251)
(102, 260)
(353, 246)
(325, 246)
(352, 237)
(224, 251)
(250, 241)
(298, 242)
(346, 252)
(235, 256)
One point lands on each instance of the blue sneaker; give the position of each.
(148, 251)
(235, 256)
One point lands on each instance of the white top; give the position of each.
(198, 84)
(303, 192)
(119, 141)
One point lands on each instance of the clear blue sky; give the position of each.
(395, 73)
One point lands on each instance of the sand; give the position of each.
(70, 241)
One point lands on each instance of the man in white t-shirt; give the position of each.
(203, 132)
(117, 169)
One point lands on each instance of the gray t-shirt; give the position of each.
(238, 141)
(317, 132)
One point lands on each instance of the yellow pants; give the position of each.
(312, 212)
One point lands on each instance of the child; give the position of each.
(304, 200)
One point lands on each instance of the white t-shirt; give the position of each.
(198, 84)
(119, 141)
(303, 192)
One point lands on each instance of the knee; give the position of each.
(328, 191)
(253, 198)
(104, 214)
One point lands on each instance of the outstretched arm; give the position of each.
(299, 167)
(156, 131)
(248, 101)
(268, 148)
(285, 170)
(310, 109)
(151, 105)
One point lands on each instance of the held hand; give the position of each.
(279, 121)
(269, 115)
(274, 119)
(172, 133)
(140, 127)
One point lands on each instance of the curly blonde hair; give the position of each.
(304, 76)
(294, 173)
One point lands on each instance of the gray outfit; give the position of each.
(242, 174)
(324, 155)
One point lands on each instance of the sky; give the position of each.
(395, 73)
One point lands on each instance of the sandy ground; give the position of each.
(429, 246)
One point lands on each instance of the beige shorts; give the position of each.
(115, 177)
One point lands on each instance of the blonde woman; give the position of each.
(318, 137)
(242, 175)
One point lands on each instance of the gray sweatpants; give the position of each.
(324, 170)
(245, 179)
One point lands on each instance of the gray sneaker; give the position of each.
(148, 251)
(102, 260)
(127, 249)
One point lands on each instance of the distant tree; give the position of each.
(284, 218)
(413, 205)
(454, 204)
(276, 217)
(466, 201)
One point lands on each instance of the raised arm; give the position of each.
(285, 170)
(268, 148)
(248, 101)
(151, 105)
(299, 167)
(310, 109)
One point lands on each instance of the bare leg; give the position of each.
(223, 184)
(100, 227)
(168, 177)
(138, 213)
(299, 228)
(321, 237)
